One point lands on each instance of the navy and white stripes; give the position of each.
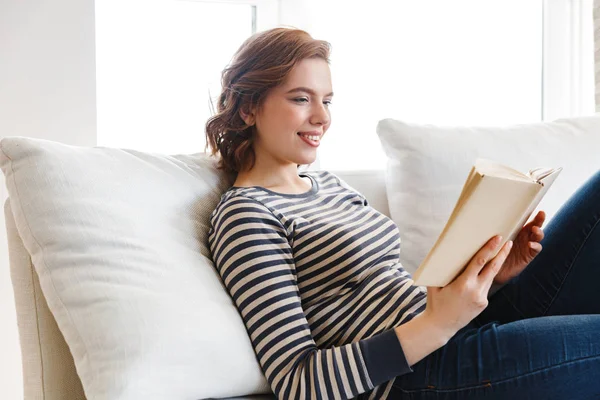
(317, 280)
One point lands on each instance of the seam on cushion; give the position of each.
(37, 325)
(85, 350)
(571, 266)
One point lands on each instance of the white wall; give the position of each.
(420, 62)
(47, 90)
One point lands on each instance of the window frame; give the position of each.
(266, 12)
(568, 59)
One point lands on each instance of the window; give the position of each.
(475, 62)
(568, 82)
(156, 63)
(432, 61)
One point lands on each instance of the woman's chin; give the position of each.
(307, 159)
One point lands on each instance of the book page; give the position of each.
(495, 207)
(488, 167)
(538, 174)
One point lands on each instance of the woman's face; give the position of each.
(299, 105)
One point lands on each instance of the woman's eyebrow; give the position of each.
(307, 90)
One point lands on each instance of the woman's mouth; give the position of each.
(313, 140)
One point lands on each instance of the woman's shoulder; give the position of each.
(329, 175)
(235, 197)
(341, 182)
(320, 173)
(324, 176)
(237, 208)
(237, 204)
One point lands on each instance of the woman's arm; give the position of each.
(251, 252)
(420, 337)
(452, 307)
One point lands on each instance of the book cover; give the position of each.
(495, 200)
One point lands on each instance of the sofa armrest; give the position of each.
(48, 368)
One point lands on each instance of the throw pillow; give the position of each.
(119, 240)
(428, 164)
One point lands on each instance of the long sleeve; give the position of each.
(251, 251)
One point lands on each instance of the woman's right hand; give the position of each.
(453, 306)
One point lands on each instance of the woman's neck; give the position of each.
(288, 182)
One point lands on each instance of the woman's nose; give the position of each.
(320, 115)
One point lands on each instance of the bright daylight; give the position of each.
(300, 199)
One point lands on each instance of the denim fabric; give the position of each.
(539, 337)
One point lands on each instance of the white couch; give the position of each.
(48, 367)
(154, 284)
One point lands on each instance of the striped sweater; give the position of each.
(317, 281)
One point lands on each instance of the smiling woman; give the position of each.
(274, 108)
(273, 113)
(316, 276)
(276, 123)
(298, 108)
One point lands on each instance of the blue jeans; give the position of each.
(539, 337)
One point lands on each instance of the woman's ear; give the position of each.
(247, 115)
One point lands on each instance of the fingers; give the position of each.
(539, 219)
(535, 246)
(491, 268)
(537, 234)
(481, 258)
(533, 230)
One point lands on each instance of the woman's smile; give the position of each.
(310, 139)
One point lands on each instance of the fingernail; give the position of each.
(498, 239)
(509, 244)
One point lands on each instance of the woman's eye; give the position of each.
(305, 100)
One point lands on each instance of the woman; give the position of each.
(315, 272)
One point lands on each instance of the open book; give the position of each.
(495, 200)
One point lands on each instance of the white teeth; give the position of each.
(313, 138)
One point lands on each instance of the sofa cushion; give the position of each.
(427, 167)
(119, 241)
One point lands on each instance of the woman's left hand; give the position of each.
(526, 247)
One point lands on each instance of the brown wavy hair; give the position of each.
(261, 63)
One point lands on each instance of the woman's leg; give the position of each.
(526, 344)
(564, 279)
(555, 357)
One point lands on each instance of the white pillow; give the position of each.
(427, 167)
(119, 241)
